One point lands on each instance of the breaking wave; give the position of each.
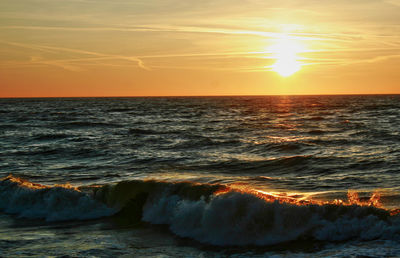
(57, 203)
(209, 213)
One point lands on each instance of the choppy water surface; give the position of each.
(277, 175)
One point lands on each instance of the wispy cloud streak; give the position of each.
(62, 63)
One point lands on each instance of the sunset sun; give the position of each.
(285, 51)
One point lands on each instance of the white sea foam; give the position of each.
(49, 203)
(243, 219)
(196, 211)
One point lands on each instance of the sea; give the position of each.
(241, 176)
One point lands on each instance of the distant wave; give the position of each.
(209, 213)
(48, 137)
(138, 131)
(84, 124)
(121, 110)
(281, 164)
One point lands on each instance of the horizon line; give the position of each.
(199, 96)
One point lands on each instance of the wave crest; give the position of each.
(209, 213)
(220, 215)
(237, 218)
(52, 203)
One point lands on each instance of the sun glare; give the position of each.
(286, 51)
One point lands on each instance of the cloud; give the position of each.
(191, 29)
(393, 2)
(65, 63)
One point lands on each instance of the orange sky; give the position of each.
(51, 48)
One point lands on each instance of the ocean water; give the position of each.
(243, 176)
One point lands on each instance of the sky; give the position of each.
(72, 48)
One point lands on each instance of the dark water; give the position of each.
(305, 148)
